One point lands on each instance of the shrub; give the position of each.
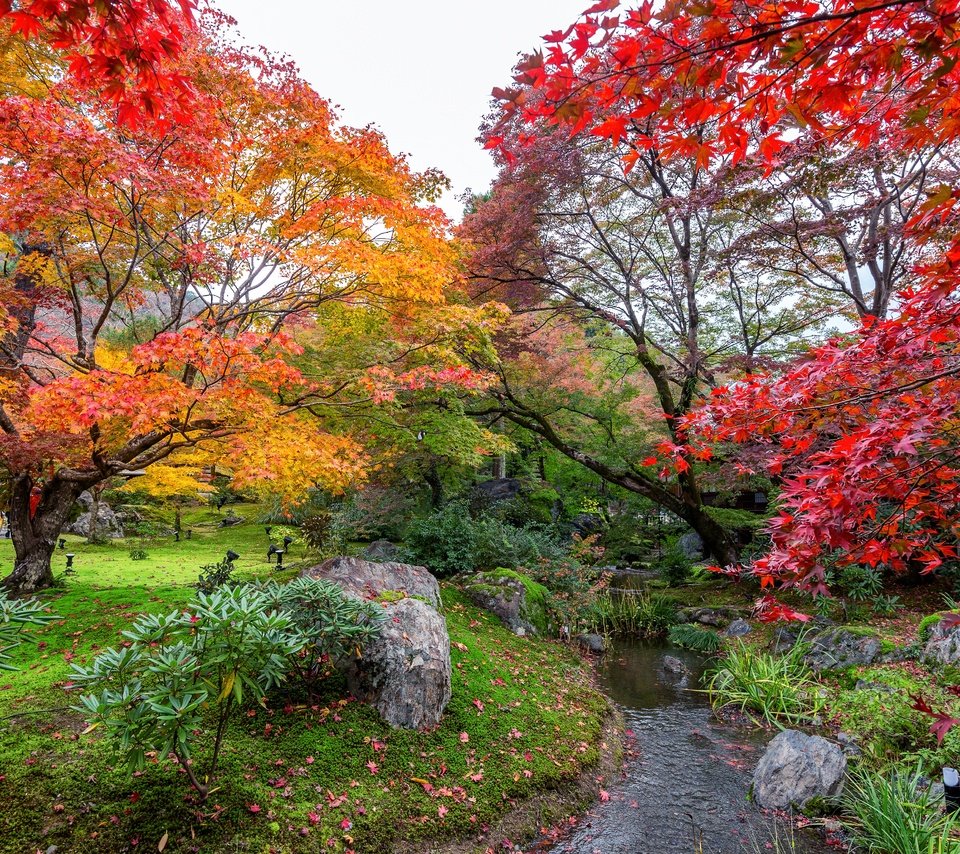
(138, 554)
(694, 637)
(17, 618)
(450, 541)
(184, 675)
(214, 575)
(675, 567)
(778, 688)
(445, 541)
(897, 814)
(337, 624)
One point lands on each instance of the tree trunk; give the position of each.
(432, 478)
(35, 537)
(716, 541)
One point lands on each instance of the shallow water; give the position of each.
(686, 776)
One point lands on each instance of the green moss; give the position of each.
(537, 596)
(537, 713)
(928, 623)
(391, 596)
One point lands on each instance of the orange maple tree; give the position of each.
(160, 283)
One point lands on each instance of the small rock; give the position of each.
(738, 628)
(592, 643)
(943, 646)
(796, 768)
(519, 602)
(840, 647)
(783, 640)
(672, 664)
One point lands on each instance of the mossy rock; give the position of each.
(519, 601)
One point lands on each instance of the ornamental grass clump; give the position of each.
(897, 813)
(777, 688)
(173, 690)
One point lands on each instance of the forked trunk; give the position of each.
(35, 534)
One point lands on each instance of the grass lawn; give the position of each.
(320, 775)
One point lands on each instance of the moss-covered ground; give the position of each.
(324, 774)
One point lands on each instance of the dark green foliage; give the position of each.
(445, 541)
(675, 567)
(214, 575)
(138, 554)
(860, 583)
(317, 529)
(695, 637)
(449, 540)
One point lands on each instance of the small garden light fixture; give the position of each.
(231, 556)
(272, 551)
(62, 544)
(279, 558)
(70, 570)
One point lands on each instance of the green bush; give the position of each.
(214, 575)
(449, 541)
(896, 814)
(337, 624)
(695, 637)
(17, 618)
(184, 675)
(445, 541)
(675, 567)
(778, 688)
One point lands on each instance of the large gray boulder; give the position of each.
(691, 545)
(405, 672)
(108, 524)
(369, 579)
(796, 768)
(519, 602)
(838, 647)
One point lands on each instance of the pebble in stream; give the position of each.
(685, 786)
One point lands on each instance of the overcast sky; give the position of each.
(422, 69)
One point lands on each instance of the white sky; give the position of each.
(422, 70)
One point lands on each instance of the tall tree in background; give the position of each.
(157, 280)
(651, 256)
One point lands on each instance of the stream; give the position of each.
(686, 775)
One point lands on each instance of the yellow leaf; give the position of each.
(227, 686)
